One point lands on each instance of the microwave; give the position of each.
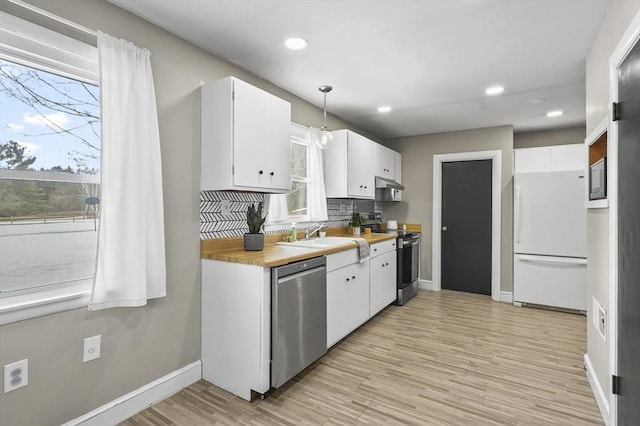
(598, 180)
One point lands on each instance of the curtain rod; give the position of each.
(49, 20)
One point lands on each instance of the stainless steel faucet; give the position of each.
(308, 234)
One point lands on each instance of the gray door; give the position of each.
(629, 240)
(466, 226)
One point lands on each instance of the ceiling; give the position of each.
(430, 60)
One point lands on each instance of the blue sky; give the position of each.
(32, 129)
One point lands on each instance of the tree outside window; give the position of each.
(49, 168)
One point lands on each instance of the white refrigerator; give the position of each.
(550, 243)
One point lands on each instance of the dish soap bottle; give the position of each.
(293, 233)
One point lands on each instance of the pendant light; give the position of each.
(325, 135)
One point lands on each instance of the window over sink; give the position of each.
(306, 201)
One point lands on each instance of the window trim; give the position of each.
(34, 46)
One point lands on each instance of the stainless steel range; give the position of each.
(408, 248)
(408, 255)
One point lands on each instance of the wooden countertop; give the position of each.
(231, 249)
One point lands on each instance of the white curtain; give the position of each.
(317, 194)
(131, 255)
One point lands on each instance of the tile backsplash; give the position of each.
(215, 224)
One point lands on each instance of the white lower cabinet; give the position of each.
(347, 299)
(236, 332)
(382, 286)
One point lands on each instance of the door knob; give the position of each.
(444, 228)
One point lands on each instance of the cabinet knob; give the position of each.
(353, 277)
(387, 264)
(260, 172)
(365, 187)
(272, 173)
(347, 279)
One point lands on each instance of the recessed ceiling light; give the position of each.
(384, 109)
(296, 43)
(494, 90)
(537, 101)
(556, 113)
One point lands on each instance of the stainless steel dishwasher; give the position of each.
(298, 317)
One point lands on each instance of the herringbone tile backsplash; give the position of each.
(213, 224)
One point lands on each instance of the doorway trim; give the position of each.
(496, 216)
(623, 49)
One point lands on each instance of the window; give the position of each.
(307, 199)
(297, 199)
(49, 170)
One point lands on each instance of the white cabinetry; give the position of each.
(350, 166)
(236, 318)
(549, 159)
(245, 139)
(347, 294)
(385, 162)
(382, 276)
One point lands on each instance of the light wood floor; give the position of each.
(445, 358)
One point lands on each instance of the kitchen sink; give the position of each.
(319, 243)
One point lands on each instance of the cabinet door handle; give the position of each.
(260, 172)
(375, 250)
(272, 173)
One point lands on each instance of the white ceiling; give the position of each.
(430, 60)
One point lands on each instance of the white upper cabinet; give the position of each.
(349, 166)
(245, 138)
(549, 158)
(385, 162)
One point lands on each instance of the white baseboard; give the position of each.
(425, 284)
(132, 403)
(506, 296)
(598, 392)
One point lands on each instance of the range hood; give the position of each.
(384, 183)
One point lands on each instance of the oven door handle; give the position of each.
(409, 243)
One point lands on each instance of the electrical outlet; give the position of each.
(16, 375)
(226, 208)
(602, 322)
(91, 348)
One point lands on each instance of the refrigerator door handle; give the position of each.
(553, 260)
(516, 215)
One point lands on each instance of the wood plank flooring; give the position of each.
(445, 358)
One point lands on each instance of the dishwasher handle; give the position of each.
(302, 274)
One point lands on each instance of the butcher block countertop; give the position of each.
(231, 249)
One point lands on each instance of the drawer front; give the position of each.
(551, 281)
(342, 259)
(383, 247)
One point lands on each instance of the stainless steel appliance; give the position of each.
(598, 180)
(408, 261)
(408, 248)
(388, 190)
(298, 317)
